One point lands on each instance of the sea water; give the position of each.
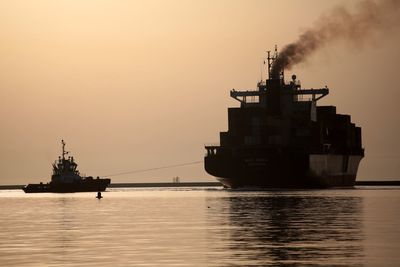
(201, 227)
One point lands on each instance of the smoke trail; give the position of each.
(339, 24)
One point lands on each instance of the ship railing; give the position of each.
(242, 96)
(211, 145)
(316, 94)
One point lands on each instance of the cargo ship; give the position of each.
(280, 138)
(67, 179)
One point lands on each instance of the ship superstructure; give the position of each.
(65, 169)
(280, 138)
(66, 178)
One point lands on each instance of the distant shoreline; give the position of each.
(204, 184)
(119, 185)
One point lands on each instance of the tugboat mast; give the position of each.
(63, 149)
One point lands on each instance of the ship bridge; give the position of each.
(258, 97)
(274, 89)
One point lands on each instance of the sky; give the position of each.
(133, 85)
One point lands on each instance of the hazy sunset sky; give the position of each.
(141, 84)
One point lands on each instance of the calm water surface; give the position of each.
(201, 227)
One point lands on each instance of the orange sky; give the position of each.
(140, 84)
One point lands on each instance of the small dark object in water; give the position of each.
(99, 195)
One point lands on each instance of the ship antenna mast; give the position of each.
(269, 64)
(271, 59)
(63, 149)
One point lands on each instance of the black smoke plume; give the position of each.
(368, 18)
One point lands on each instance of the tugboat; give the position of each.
(66, 178)
(280, 138)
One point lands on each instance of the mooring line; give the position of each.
(153, 169)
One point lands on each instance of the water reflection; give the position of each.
(212, 228)
(288, 229)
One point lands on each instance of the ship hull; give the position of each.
(89, 185)
(285, 171)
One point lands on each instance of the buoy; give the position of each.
(99, 195)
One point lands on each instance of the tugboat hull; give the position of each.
(91, 185)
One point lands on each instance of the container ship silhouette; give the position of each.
(67, 179)
(280, 138)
